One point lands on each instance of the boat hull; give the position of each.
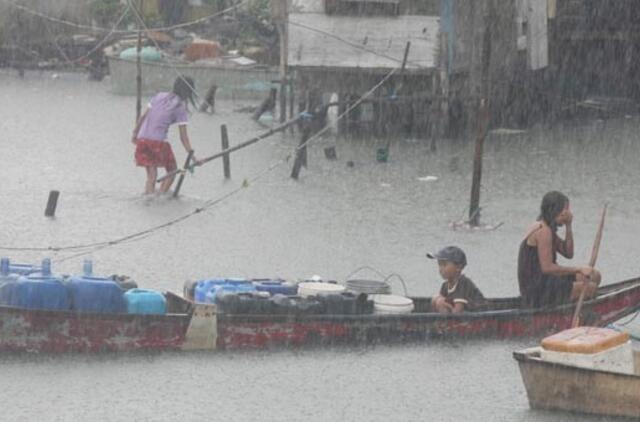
(507, 321)
(552, 386)
(235, 83)
(56, 332)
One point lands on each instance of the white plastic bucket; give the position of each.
(318, 289)
(392, 304)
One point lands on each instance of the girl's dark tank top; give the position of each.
(530, 276)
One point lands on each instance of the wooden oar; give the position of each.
(232, 149)
(176, 192)
(592, 263)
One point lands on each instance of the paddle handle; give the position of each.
(592, 262)
(176, 192)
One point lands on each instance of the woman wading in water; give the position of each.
(541, 280)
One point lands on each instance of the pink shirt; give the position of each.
(165, 109)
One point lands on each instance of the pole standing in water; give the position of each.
(151, 132)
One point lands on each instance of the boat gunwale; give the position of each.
(526, 357)
(255, 68)
(606, 293)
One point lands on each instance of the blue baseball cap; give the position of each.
(450, 253)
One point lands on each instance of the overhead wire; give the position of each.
(121, 31)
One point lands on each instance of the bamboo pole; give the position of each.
(592, 262)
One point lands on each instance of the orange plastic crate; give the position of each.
(585, 340)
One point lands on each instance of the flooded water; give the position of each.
(62, 132)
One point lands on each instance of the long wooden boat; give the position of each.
(186, 326)
(556, 386)
(504, 318)
(189, 326)
(233, 82)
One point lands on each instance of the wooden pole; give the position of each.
(482, 121)
(592, 262)
(139, 68)
(232, 149)
(52, 203)
(301, 151)
(474, 207)
(226, 161)
(176, 191)
(283, 31)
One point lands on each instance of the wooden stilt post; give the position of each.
(282, 16)
(482, 121)
(301, 151)
(52, 203)
(226, 159)
(139, 68)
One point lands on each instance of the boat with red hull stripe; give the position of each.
(191, 326)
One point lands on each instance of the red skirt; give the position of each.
(151, 153)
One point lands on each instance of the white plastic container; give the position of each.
(318, 289)
(617, 359)
(392, 304)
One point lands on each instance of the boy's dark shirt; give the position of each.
(464, 292)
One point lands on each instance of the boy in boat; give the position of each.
(541, 280)
(458, 293)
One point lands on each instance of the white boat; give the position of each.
(234, 81)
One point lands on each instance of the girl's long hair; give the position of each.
(183, 87)
(552, 205)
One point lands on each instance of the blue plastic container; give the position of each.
(144, 301)
(95, 294)
(203, 286)
(275, 287)
(23, 269)
(6, 279)
(41, 290)
(207, 291)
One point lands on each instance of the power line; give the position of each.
(119, 31)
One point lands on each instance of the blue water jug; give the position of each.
(144, 301)
(275, 287)
(203, 286)
(231, 285)
(6, 279)
(90, 293)
(23, 269)
(41, 290)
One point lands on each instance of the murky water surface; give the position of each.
(68, 134)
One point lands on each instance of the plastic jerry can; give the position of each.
(41, 290)
(145, 301)
(90, 293)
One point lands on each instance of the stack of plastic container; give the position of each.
(39, 290)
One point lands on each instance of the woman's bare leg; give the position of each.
(150, 184)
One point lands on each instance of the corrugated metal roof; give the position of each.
(319, 40)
